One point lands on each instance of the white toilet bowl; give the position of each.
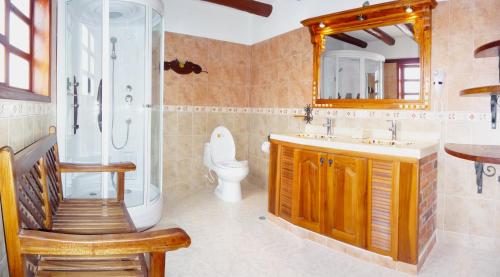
(219, 155)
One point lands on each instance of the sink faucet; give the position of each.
(329, 126)
(393, 129)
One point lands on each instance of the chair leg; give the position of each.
(157, 267)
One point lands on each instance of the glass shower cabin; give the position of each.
(110, 99)
(352, 74)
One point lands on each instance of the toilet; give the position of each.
(219, 155)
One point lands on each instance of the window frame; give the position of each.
(10, 92)
(401, 64)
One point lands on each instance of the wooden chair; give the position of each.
(48, 235)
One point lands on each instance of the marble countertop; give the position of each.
(414, 149)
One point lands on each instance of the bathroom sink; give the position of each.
(316, 136)
(386, 142)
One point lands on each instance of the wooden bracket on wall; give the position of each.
(186, 67)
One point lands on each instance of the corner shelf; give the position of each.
(481, 91)
(488, 50)
(479, 154)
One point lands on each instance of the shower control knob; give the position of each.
(148, 106)
(129, 98)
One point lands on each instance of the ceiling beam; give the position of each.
(250, 6)
(406, 30)
(383, 36)
(409, 26)
(349, 39)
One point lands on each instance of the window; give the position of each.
(25, 49)
(409, 80)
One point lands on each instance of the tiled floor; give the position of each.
(230, 240)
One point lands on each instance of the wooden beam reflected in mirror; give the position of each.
(350, 39)
(383, 36)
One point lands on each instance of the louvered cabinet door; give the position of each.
(381, 188)
(308, 195)
(345, 216)
(286, 175)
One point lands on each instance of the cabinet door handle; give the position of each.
(330, 162)
(321, 161)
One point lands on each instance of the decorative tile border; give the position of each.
(9, 109)
(337, 113)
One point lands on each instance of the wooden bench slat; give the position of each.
(124, 273)
(97, 265)
(89, 258)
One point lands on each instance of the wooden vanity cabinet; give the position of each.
(380, 203)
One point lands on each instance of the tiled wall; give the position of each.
(282, 71)
(21, 123)
(280, 76)
(225, 84)
(459, 26)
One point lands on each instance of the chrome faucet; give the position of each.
(329, 126)
(393, 129)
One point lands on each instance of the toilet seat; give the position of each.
(222, 147)
(233, 164)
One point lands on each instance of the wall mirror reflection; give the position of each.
(375, 63)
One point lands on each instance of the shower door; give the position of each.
(129, 93)
(110, 99)
(82, 137)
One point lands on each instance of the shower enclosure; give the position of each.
(110, 85)
(352, 74)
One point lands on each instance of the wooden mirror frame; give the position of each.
(384, 14)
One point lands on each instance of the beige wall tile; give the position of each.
(481, 215)
(457, 212)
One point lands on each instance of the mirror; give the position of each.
(379, 63)
(373, 57)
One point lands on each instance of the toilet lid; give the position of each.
(222, 146)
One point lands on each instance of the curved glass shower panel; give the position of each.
(110, 103)
(156, 106)
(83, 32)
(127, 64)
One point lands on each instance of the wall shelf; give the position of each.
(481, 91)
(488, 50)
(479, 154)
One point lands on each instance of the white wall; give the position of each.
(198, 18)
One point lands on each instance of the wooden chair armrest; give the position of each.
(113, 167)
(49, 243)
